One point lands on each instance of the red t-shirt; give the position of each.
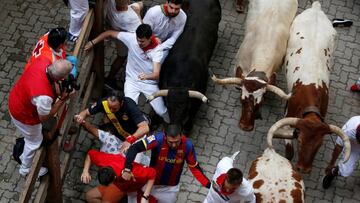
(117, 161)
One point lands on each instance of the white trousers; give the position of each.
(78, 10)
(163, 194)
(358, 83)
(346, 169)
(33, 138)
(132, 89)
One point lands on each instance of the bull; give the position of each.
(274, 179)
(184, 72)
(261, 54)
(307, 67)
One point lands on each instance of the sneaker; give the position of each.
(71, 38)
(25, 171)
(329, 178)
(354, 88)
(337, 22)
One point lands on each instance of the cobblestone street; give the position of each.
(215, 133)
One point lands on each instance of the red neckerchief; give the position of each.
(152, 44)
(221, 181)
(164, 9)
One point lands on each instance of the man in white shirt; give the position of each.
(228, 184)
(143, 64)
(122, 17)
(167, 22)
(351, 129)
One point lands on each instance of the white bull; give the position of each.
(261, 54)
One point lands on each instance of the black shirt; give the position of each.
(129, 115)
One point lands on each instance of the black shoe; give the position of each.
(337, 22)
(330, 177)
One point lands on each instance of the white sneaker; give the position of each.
(25, 171)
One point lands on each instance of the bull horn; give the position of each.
(160, 93)
(345, 138)
(198, 95)
(278, 91)
(227, 81)
(277, 125)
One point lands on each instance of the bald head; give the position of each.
(60, 68)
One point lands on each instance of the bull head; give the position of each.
(253, 88)
(308, 140)
(178, 102)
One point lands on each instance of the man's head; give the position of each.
(357, 135)
(174, 7)
(233, 179)
(143, 35)
(115, 101)
(106, 175)
(121, 5)
(173, 135)
(57, 37)
(59, 69)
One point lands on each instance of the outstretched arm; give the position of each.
(101, 37)
(85, 176)
(91, 129)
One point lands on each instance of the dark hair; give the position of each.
(357, 133)
(176, 2)
(172, 130)
(106, 175)
(144, 30)
(234, 176)
(119, 96)
(57, 36)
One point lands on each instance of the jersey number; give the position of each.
(38, 48)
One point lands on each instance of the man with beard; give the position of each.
(167, 22)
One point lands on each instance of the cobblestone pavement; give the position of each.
(215, 133)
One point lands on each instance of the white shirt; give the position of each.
(245, 193)
(123, 20)
(350, 130)
(109, 143)
(139, 61)
(43, 104)
(166, 28)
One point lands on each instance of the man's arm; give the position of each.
(195, 169)
(101, 37)
(80, 118)
(85, 176)
(91, 129)
(168, 44)
(43, 104)
(154, 75)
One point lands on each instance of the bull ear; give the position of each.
(272, 79)
(239, 72)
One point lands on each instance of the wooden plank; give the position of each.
(75, 136)
(98, 63)
(39, 157)
(41, 196)
(85, 32)
(53, 164)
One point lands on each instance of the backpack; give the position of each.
(18, 149)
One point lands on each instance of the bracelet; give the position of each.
(145, 197)
(131, 139)
(92, 43)
(61, 99)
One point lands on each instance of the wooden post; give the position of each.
(98, 63)
(53, 164)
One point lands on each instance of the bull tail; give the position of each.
(316, 5)
(234, 155)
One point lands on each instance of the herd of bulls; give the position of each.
(274, 39)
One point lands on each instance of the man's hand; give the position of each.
(143, 200)
(88, 46)
(142, 76)
(127, 175)
(85, 177)
(79, 119)
(124, 147)
(158, 40)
